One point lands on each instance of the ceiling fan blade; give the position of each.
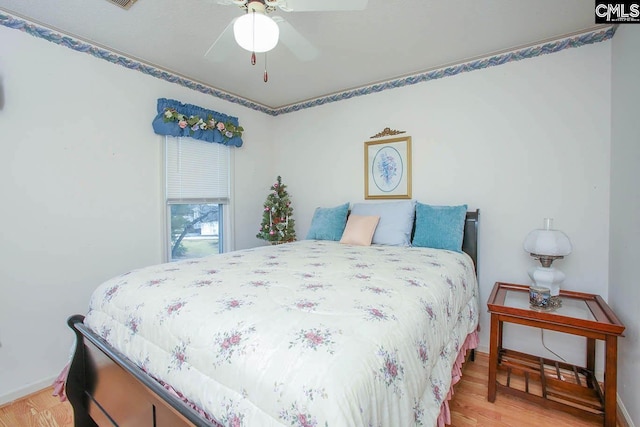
(296, 42)
(223, 46)
(321, 5)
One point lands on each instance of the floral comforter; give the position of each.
(310, 333)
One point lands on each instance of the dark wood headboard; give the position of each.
(470, 239)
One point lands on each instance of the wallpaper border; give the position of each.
(583, 39)
(587, 38)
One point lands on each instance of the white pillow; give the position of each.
(395, 224)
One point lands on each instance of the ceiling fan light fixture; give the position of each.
(256, 32)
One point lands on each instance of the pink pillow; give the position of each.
(359, 230)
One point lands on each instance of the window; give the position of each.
(197, 195)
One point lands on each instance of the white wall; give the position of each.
(81, 192)
(521, 142)
(624, 291)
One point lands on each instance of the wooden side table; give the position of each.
(546, 381)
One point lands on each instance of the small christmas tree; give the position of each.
(277, 220)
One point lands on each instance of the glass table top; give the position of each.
(571, 307)
(579, 311)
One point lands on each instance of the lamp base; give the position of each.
(540, 300)
(547, 277)
(550, 278)
(555, 302)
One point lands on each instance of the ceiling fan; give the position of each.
(244, 30)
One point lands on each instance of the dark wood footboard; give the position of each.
(107, 389)
(77, 381)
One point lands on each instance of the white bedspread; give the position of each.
(310, 333)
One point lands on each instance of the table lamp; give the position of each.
(547, 245)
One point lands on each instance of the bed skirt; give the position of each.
(470, 343)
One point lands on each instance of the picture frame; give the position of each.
(387, 168)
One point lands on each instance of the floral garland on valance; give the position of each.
(177, 119)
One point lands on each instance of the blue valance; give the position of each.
(177, 119)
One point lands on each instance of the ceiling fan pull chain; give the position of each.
(253, 39)
(266, 75)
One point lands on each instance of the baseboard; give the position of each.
(483, 349)
(624, 419)
(27, 390)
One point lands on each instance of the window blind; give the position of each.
(196, 171)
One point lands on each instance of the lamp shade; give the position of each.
(256, 32)
(547, 241)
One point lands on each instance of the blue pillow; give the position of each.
(395, 224)
(440, 227)
(328, 223)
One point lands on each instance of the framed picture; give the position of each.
(387, 168)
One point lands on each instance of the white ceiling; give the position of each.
(387, 40)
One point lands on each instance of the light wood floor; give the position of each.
(469, 407)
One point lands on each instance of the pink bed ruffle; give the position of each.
(59, 383)
(470, 343)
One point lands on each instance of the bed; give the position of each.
(309, 333)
